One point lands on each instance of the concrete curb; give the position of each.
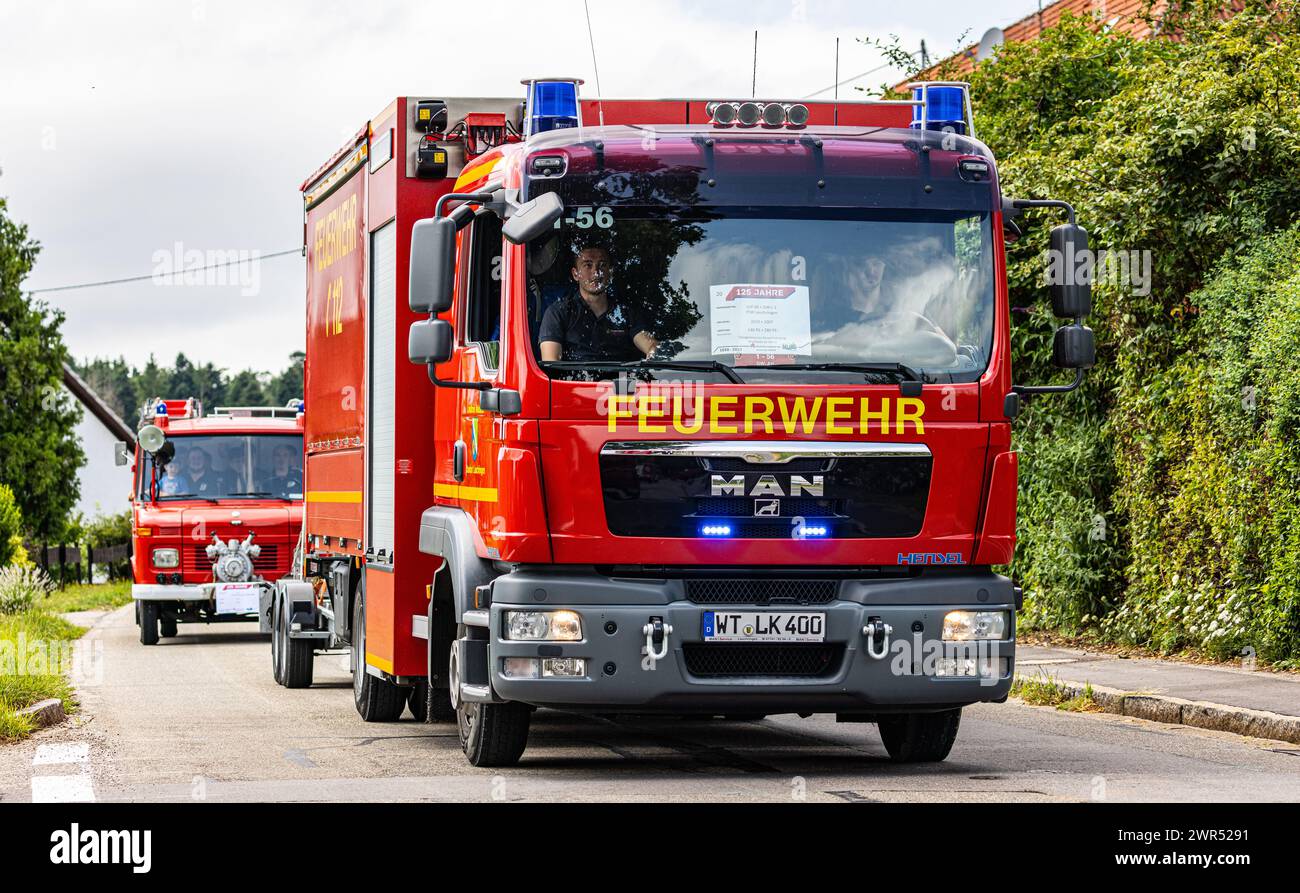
(1198, 714)
(46, 713)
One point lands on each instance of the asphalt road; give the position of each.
(200, 718)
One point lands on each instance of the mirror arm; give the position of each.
(1026, 390)
(460, 385)
(1021, 203)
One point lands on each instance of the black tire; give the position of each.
(377, 700)
(148, 623)
(297, 656)
(919, 737)
(167, 627)
(277, 658)
(490, 734)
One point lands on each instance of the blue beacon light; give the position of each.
(716, 531)
(941, 105)
(552, 105)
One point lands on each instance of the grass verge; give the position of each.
(88, 597)
(35, 656)
(1044, 691)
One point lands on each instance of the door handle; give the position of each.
(458, 461)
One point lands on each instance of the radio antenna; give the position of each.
(600, 94)
(754, 89)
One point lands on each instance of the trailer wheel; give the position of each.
(297, 657)
(919, 737)
(148, 623)
(490, 734)
(377, 700)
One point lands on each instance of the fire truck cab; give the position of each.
(708, 412)
(217, 512)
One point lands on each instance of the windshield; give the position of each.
(768, 293)
(225, 466)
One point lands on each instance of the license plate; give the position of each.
(763, 626)
(238, 598)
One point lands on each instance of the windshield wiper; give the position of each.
(722, 369)
(257, 495)
(900, 371)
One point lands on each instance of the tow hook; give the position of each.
(656, 638)
(877, 632)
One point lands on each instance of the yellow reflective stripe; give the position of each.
(351, 497)
(474, 173)
(379, 663)
(471, 494)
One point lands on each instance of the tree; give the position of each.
(39, 453)
(245, 389)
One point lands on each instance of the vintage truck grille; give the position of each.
(761, 592)
(196, 560)
(723, 660)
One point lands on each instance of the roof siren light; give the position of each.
(943, 106)
(551, 104)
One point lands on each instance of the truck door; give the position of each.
(469, 438)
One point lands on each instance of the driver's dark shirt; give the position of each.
(584, 336)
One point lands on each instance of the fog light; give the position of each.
(521, 668)
(166, 558)
(543, 626)
(982, 667)
(553, 667)
(969, 626)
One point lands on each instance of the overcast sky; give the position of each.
(134, 131)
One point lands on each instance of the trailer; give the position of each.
(695, 406)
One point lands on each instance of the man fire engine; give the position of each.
(217, 512)
(709, 412)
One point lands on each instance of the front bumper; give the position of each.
(912, 669)
(153, 592)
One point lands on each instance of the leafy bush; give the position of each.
(11, 525)
(109, 530)
(21, 588)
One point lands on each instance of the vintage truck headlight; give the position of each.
(166, 558)
(543, 626)
(970, 626)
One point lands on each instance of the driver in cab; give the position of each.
(589, 324)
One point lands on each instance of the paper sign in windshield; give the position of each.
(760, 319)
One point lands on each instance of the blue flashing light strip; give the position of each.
(815, 532)
(715, 530)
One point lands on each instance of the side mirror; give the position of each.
(433, 263)
(1071, 293)
(120, 454)
(430, 342)
(533, 218)
(1074, 347)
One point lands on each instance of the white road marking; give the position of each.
(62, 789)
(60, 754)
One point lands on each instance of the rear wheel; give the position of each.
(919, 737)
(297, 657)
(490, 734)
(377, 699)
(148, 623)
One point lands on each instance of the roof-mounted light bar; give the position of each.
(751, 113)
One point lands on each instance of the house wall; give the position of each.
(104, 485)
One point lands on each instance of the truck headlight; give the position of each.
(970, 626)
(543, 626)
(166, 558)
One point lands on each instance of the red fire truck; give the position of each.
(217, 512)
(708, 411)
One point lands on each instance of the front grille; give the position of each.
(718, 660)
(761, 592)
(196, 560)
(739, 507)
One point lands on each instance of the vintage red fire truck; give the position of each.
(217, 512)
(708, 411)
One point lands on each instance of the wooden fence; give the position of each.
(69, 563)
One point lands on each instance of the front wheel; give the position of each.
(490, 734)
(296, 657)
(919, 737)
(377, 699)
(148, 623)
